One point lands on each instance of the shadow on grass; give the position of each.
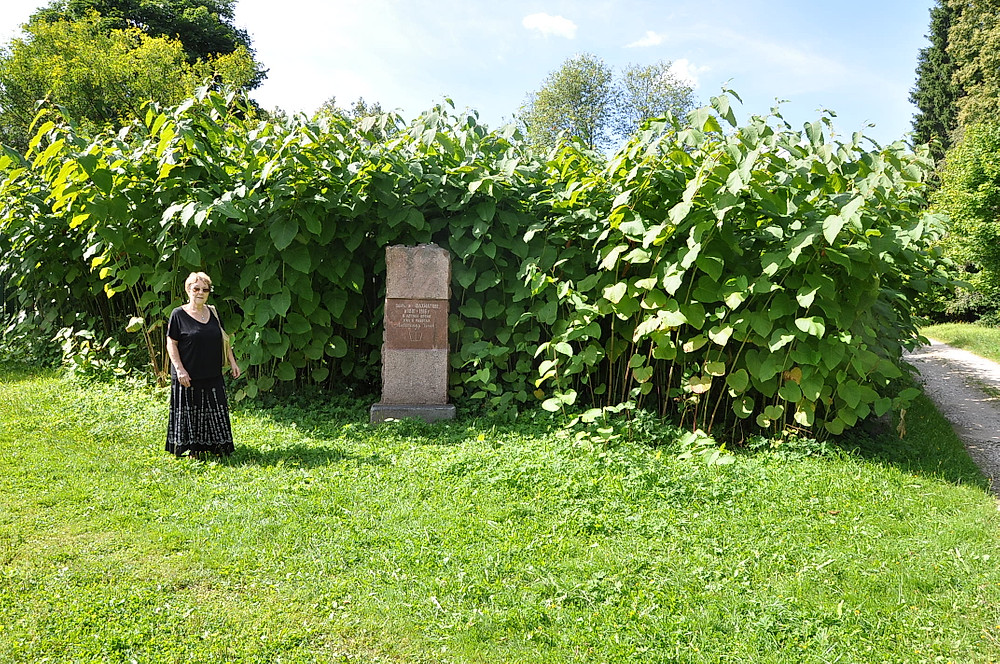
(301, 456)
(17, 372)
(929, 447)
(328, 417)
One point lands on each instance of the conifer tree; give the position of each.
(936, 93)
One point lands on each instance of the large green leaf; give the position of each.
(103, 180)
(190, 254)
(472, 309)
(280, 302)
(486, 210)
(285, 371)
(813, 325)
(711, 265)
(832, 226)
(790, 391)
(296, 323)
(283, 231)
(738, 380)
(615, 292)
(297, 256)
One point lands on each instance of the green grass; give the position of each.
(324, 539)
(979, 339)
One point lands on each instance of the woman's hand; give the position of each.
(234, 368)
(184, 378)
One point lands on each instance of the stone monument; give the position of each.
(415, 342)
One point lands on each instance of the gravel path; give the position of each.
(957, 382)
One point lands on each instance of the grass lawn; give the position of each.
(981, 340)
(324, 539)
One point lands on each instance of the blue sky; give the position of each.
(854, 57)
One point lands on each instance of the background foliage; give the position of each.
(935, 93)
(760, 275)
(956, 92)
(204, 27)
(958, 73)
(970, 196)
(103, 60)
(585, 100)
(974, 44)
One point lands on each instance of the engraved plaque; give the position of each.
(416, 324)
(415, 342)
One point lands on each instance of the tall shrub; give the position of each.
(756, 275)
(759, 273)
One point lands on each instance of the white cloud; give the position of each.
(687, 72)
(550, 25)
(651, 39)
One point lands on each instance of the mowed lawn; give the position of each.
(325, 539)
(979, 339)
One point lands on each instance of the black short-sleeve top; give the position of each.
(200, 344)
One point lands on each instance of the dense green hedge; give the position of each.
(761, 272)
(756, 274)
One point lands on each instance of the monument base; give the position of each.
(380, 412)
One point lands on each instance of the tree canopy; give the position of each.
(935, 93)
(578, 98)
(100, 77)
(970, 196)
(648, 92)
(958, 74)
(204, 27)
(585, 100)
(974, 45)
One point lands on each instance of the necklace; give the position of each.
(200, 316)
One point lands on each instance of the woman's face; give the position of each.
(198, 292)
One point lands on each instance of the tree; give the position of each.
(974, 46)
(381, 126)
(204, 27)
(584, 99)
(358, 110)
(936, 93)
(650, 92)
(578, 98)
(970, 196)
(100, 77)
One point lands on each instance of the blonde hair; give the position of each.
(197, 276)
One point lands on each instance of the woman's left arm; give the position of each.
(233, 367)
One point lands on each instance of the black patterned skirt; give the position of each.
(199, 418)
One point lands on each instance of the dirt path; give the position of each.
(958, 382)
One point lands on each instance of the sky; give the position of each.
(855, 58)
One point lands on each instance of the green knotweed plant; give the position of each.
(753, 278)
(759, 277)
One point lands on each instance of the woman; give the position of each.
(199, 410)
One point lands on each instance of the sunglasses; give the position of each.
(195, 289)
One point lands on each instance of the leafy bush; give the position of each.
(83, 355)
(21, 343)
(764, 273)
(764, 276)
(970, 196)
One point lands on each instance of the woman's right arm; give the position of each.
(175, 358)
